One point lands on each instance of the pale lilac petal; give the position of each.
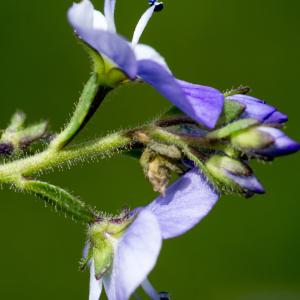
(146, 52)
(82, 15)
(255, 108)
(136, 255)
(95, 285)
(113, 46)
(208, 101)
(186, 203)
(99, 21)
(109, 11)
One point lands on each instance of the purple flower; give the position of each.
(133, 245)
(258, 109)
(142, 62)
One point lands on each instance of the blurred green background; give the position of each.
(245, 249)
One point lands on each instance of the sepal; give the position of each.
(232, 128)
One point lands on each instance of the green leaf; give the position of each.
(61, 200)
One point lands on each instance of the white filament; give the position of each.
(140, 27)
(149, 290)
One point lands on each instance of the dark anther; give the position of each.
(6, 148)
(164, 296)
(159, 6)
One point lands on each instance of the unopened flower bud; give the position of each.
(233, 176)
(264, 142)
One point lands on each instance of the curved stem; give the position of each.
(92, 96)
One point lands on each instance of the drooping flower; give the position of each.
(142, 62)
(123, 251)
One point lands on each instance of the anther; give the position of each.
(164, 296)
(159, 6)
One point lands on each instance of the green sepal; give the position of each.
(232, 128)
(115, 77)
(251, 139)
(97, 60)
(103, 257)
(60, 199)
(109, 74)
(231, 111)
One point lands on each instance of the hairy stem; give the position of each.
(92, 96)
(51, 157)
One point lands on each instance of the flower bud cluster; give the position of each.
(247, 129)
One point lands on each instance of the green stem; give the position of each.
(14, 172)
(92, 96)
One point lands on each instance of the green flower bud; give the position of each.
(251, 139)
(233, 176)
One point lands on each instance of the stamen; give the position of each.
(140, 27)
(149, 290)
(109, 12)
(159, 6)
